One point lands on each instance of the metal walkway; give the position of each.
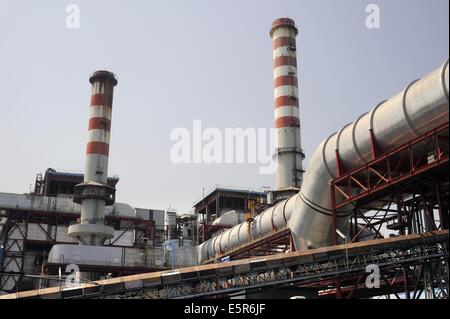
(303, 268)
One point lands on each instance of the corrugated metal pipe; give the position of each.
(422, 106)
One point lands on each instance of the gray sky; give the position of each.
(177, 61)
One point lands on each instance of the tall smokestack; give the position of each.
(287, 122)
(94, 193)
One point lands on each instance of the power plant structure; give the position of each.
(94, 193)
(287, 116)
(375, 194)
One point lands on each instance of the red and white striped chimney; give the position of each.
(94, 193)
(287, 122)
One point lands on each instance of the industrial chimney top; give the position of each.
(103, 75)
(283, 22)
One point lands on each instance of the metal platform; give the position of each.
(320, 268)
(17, 242)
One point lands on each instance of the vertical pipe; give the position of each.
(338, 288)
(94, 193)
(406, 283)
(287, 122)
(437, 193)
(399, 201)
(333, 216)
(291, 243)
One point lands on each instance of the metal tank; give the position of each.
(420, 107)
(171, 224)
(94, 193)
(287, 119)
(171, 218)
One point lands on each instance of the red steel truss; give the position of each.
(17, 242)
(420, 155)
(403, 191)
(279, 241)
(206, 230)
(406, 189)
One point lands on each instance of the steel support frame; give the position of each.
(280, 241)
(410, 181)
(319, 274)
(426, 279)
(11, 270)
(15, 248)
(393, 168)
(206, 230)
(146, 231)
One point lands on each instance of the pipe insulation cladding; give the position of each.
(422, 106)
(94, 193)
(289, 154)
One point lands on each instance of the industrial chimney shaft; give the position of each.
(289, 153)
(94, 193)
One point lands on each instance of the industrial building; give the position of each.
(31, 224)
(376, 192)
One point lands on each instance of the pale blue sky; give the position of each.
(177, 61)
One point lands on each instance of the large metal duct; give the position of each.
(420, 107)
(287, 119)
(275, 217)
(94, 193)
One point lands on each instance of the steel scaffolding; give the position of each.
(417, 264)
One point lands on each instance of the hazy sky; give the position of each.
(179, 61)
